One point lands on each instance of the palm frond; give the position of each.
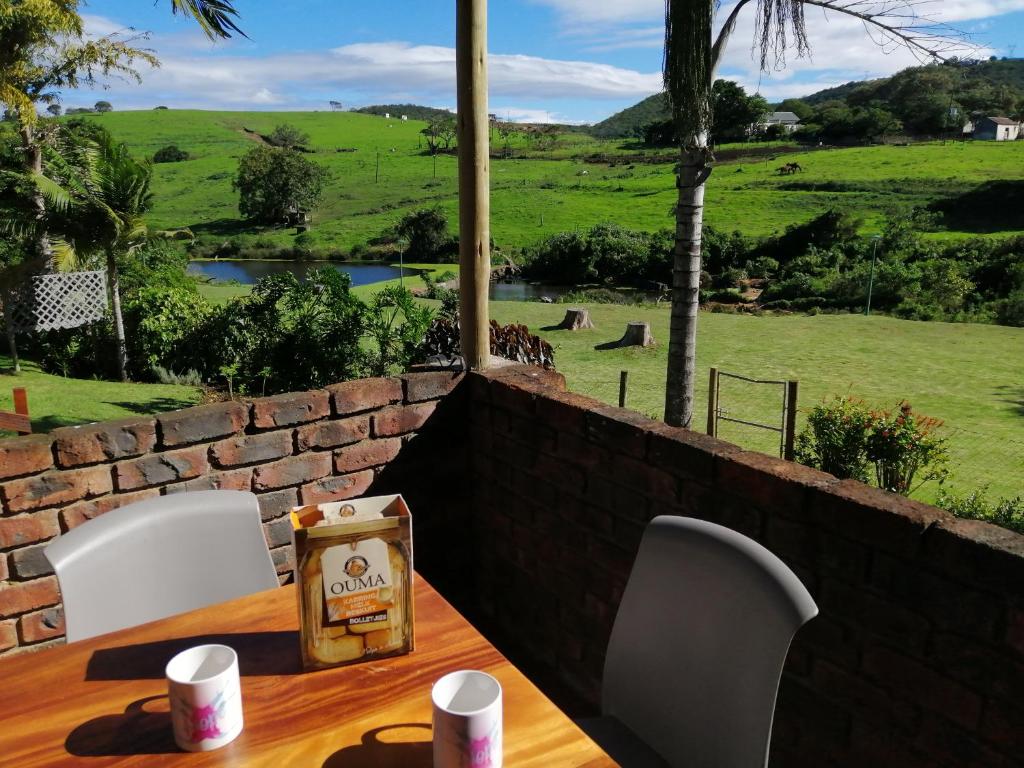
(65, 256)
(56, 195)
(215, 17)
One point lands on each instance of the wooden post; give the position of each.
(19, 420)
(474, 180)
(623, 376)
(792, 392)
(713, 403)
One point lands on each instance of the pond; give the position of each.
(248, 271)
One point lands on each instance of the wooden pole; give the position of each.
(623, 377)
(792, 392)
(474, 180)
(713, 403)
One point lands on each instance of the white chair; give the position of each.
(697, 649)
(159, 557)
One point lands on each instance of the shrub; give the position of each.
(1009, 513)
(395, 324)
(163, 328)
(835, 438)
(1010, 311)
(903, 444)
(727, 296)
(426, 232)
(276, 183)
(170, 154)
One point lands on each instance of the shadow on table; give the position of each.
(384, 754)
(259, 653)
(137, 731)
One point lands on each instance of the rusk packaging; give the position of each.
(353, 572)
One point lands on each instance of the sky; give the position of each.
(550, 60)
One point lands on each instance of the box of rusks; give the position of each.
(353, 574)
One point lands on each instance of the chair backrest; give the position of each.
(699, 641)
(160, 557)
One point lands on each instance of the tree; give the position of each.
(170, 154)
(288, 136)
(692, 54)
(103, 106)
(54, 109)
(426, 232)
(735, 113)
(276, 183)
(798, 107)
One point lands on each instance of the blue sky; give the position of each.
(551, 60)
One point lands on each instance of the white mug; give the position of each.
(206, 697)
(467, 721)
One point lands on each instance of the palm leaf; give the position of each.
(215, 17)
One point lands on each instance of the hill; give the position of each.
(412, 111)
(630, 122)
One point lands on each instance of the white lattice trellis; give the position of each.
(61, 300)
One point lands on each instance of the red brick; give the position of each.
(292, 471)
(430, 386)
(277, 503)
(771, 483)
(869, 612)
(250, 449)
(284, 559)
(77, 514)
(862, 699)
(25, 455)
(905, 676)
(980, 553)
(41, 625)
(4, 571)
(28, 529)
(52, 488)
(399, 419)
(291, 408)
(162, 468)
(620, 430)
(204, 422)
(25, 596)
(107, 441)
(231, 480)
(565, 412)
(337, 488)
(685, 452)
(364, 395)
(1015, 630)
(368, 453)
(331, 434)
(885, 520)
(8, 635)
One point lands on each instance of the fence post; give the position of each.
(792, 392)
(713, 403)
(623, 376)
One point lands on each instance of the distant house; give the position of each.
(996, 129)
(787, 120)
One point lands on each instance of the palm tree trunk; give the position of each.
(115, 303)
(694, 170)
(34, 166)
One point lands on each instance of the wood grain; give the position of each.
(103, 701)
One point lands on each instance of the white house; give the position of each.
(996, 129)
(788, 120)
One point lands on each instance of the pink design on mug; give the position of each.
(204, 723)
(480, 752)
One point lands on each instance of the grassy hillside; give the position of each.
(628, 122)
(575, 183)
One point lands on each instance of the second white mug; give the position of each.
(206, 697)
(467, 721)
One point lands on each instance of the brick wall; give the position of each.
(308, 447)
(917, 657)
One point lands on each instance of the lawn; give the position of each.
(54, 401)
(971, 376)
(379, 170)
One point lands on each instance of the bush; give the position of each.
(170, 154)
(1009, 513)
(395, 324)
(727, 296)
(606, 253)
(164, 328)
(1010, 311)
(274, 184)
(835, 438)
(426, 232)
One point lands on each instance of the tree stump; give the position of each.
(637, 335)
(576, 319)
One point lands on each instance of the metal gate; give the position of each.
(785, 427)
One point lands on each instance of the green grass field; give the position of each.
(54, 401)
(971, 376)
(540, 192)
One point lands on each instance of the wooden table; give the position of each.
(103, 701)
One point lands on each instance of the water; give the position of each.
(247, 272)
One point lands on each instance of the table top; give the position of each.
(103, 701)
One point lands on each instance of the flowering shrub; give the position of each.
(903, 444)
(844, 438)
(835, 438)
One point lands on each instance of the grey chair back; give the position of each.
(698, 644)
(159, 557)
